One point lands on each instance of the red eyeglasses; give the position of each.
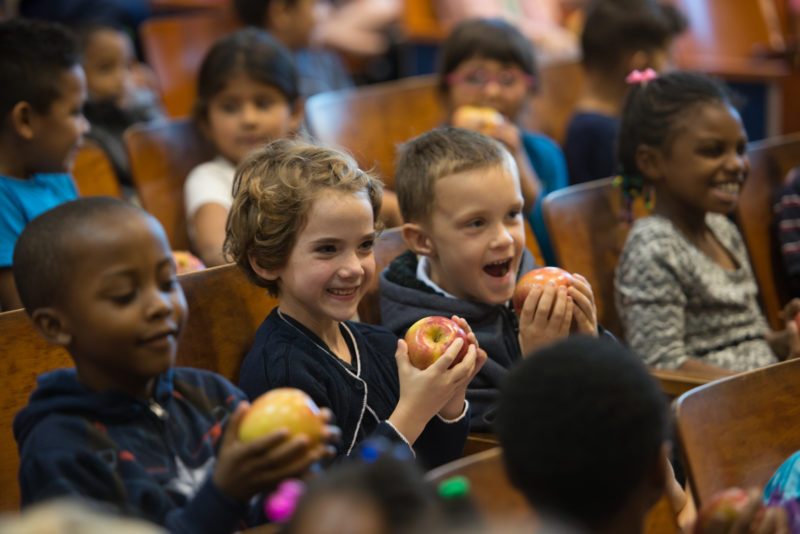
(478, 78)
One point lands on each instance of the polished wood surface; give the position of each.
(175, 45)
(770, 161)
(370, 121)
(161, 156)
(588, 228)
(23, 356)
(93, 172)
(224, 312)
(737, 431)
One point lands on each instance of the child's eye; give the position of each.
(711, 151)
(325, 249)
(229, 107)
(513, 214)
(123, 299)
(169, 284)
(477, 223)
(367, 245)
(264, 103)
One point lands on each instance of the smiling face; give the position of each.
(476, 234)
(331, 263)
(246, 114)
(706, 164)
(489, 83)
(124, 309)
(58, 134)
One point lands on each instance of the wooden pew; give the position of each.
(737, 431)
(770, 160)
(504, 507)
(370, 121)
(225, 311)
(161, 156)
(93, 172)
(175, 45)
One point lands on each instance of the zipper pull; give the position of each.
(156, 408)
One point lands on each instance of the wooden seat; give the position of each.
(770, 160)
(370, 121)
(502, 505)
(224, 312)
(161, 156)
(93, 172)
(737, 431)
(174, 46)
(588, 228)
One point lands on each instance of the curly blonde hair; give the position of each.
(273, 190)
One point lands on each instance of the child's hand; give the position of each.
(749, 520)
(245, 469)
(455, 405)
(423, 393)
(585, 308)
(545, 317)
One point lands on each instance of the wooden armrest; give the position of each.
(676, 383)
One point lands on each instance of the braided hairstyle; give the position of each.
(650, 116)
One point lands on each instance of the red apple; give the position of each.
(726, 505)
(186, 262)
(429, 338)
(279, 408)
(540, 277)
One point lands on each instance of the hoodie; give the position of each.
(151, 459)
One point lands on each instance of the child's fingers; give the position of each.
(542, 315)
(774, 521)
(446, 360)
(231, 433)
(530, 305)
(401, 355)
(465, 367)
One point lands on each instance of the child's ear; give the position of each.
(22, 120)
(50, 324)
(417, 239)
(266, 274)
(650, 161)
(298, 114)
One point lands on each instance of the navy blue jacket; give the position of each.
(362, 396)
(151, 460)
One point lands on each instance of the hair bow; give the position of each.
(639, 76)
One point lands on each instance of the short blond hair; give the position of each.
(273, 190)
(436, 154)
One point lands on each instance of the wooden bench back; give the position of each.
(770, 160)
(225, 311)
(737, 431)
(175, 46)
(588, 228)
(161, 156)
(93, 172)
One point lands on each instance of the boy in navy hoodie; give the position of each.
(97, 277)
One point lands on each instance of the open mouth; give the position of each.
(342, 292)
(729, 188)
(498, 269)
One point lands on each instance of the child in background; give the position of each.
(684, 287)
(488, 63)
(124, 426)
(583, 391)
(619, 36)
(461, 198)
(41, 107)
(247, 95)
(302, 225)
(119, 94)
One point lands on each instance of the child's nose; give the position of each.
(159, 304)
(502, 236)
(351, 266)
(249, 114)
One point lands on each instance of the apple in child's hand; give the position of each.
(724, 505)
(429, 338)
(477, 118)
(288, 408)
(539, 277)
(186, 262)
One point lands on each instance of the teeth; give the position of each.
(342, 291)
(729, 187)
(498, 262)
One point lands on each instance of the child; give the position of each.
(619, 36)
(461, 198)
(585, 436)
(247, 95)
(97, 277)
(302, 225)
(118, 93)
(41, 103)
(684, 288)
(489, 63)
(293, 23)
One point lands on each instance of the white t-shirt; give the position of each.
(209, 183)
